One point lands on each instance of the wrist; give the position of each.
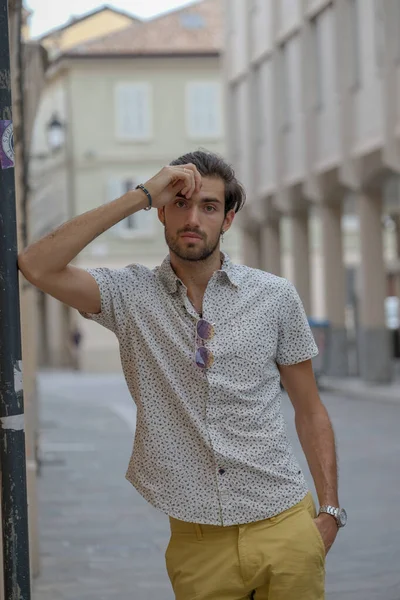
(328, 518)
(334, 512)
(138, 199)
(142, 188)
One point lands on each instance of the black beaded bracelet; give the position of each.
(146, 191)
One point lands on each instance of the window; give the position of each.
(284, 88)
(261, 92)
(355, 58)
(253, 7)
(262, 123)
(192, 21)
(323, 58)
(379, 34)
(396, 25)
(234, 124)
(289, 14)
(204, 110)
(140, 224)
(317, 50)
(133, 108)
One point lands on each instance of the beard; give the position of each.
(193, 252)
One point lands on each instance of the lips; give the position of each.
(192, 236)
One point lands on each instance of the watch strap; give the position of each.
(333, 511)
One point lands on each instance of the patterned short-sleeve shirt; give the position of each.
(210, 445)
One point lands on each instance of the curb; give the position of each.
(372, 393)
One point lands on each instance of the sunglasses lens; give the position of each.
(204, 358)
(205, 330)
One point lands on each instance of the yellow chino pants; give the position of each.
(281, 558)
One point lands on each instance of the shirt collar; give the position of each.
(170, 279)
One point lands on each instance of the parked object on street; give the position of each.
(392, 317)
(74, 344)
(321, 331)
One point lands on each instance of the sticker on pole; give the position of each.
(6, 145)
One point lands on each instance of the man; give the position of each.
(204, 346)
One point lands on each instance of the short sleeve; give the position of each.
(295, 340)
(111, 283)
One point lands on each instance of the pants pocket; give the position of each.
(180, 561)
(319, 539)
(309, 505)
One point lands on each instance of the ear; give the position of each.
(228, 220)
(161, 215)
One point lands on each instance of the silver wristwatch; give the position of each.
(339, 514)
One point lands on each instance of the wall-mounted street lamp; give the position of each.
(55, 134)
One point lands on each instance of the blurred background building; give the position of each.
(314, 127)
(300, 95)
(117, 107)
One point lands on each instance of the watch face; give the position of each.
(342, 517)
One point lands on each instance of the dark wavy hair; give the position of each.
(210, 164)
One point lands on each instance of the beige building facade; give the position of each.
(100, 22)
(314, 127)
(127, 105)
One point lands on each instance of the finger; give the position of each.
(192, 181)
(190, 184)
(197, 177)
(198, 180)
(183, 180)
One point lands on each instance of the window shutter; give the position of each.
(204, 111)
(133, 108)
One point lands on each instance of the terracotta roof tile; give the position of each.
(195, 29)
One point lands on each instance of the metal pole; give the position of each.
(12, 434)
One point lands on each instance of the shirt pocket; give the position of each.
(255, 342)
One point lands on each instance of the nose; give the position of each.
(193, 217)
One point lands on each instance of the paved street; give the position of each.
(100, 540)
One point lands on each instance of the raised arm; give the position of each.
(46, 263)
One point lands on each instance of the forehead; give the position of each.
(213, 187)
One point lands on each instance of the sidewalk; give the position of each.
(99, 539)
(355, 388)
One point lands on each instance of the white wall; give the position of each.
(289, 14)
(94, 109)
(368, 95)
(261, 27)
(293, 132)
(265, 132)
(53, 101)
(241, 112)
(327, 105)
(237, 13)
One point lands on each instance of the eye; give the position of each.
(210, 208)
(180, 203)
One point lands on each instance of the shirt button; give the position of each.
(221, 471)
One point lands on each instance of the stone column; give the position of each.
(334, 287)
(270, 246)
(374, 345)
(251, 247)
(300, 249)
